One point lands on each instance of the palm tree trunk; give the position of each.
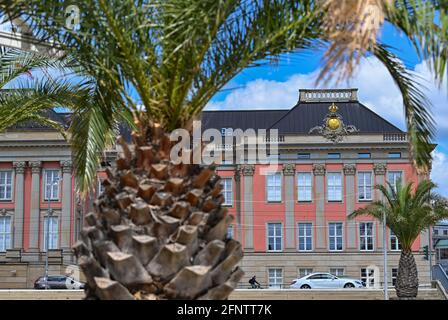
(407, 279)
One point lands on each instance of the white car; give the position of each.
(325, 281)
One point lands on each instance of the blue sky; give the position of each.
(276, 86)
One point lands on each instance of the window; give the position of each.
(366, 236)
(5, 233)
(274, 236)
(227, 191)
(335, 236)
(305, 235)
(337, 271)
(51, 185)
(226, 131)
(5, 185)
(275, 279)
(51, 224)
(274, 187)
(304, 186)
(395, 155)
(364, 155)
(364, 186)
(100, 187)
(393, 177)
(395, 245)
(305, 271)
(334, 181)
(303, 156)
(394, 276)
(367, 276)
(445, 232)
(436, 232)
(334, 156)
(230, 233)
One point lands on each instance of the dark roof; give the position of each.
(306, 115)
(299, 119)
(62, 118)
(242, 119)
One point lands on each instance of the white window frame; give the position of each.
(275, 278)
(395, 173)
(53, 242)
(365, 186)
(227, 191)
(397, 246)
(335, 236)
(5, 233)
(54, 189)
(230, 231)
(332, 185)
(365, 275)
(306, 235)
(274, 236)
(304, 187)
(336, 271)
(366, 236)
(274, 187)
(5, 186)
(304, 271)
(393, 278)
(100, 187)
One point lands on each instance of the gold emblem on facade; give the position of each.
(333, 127)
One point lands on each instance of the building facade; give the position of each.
(36, 193)
(293, 221)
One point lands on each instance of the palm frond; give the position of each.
(419, 121)
(93, 129)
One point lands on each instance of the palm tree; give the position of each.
(158, 231)
(28, 91)
(408, 212)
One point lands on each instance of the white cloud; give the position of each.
(376, 90)
(439, 173)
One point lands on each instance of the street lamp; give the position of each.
(47, 233)
(432, 201)
(385, 245)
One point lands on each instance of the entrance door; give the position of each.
(368, 276)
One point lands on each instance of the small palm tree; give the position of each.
(407, 214)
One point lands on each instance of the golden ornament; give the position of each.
(333, 123)
(333, 108)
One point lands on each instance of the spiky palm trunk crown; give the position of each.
(158, 231)
(407, 278)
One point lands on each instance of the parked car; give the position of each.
(58, 282)
(325, 281)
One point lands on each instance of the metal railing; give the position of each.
(439, 273)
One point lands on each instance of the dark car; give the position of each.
(58, 282)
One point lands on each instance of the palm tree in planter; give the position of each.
(158, 230)
(408, 212)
